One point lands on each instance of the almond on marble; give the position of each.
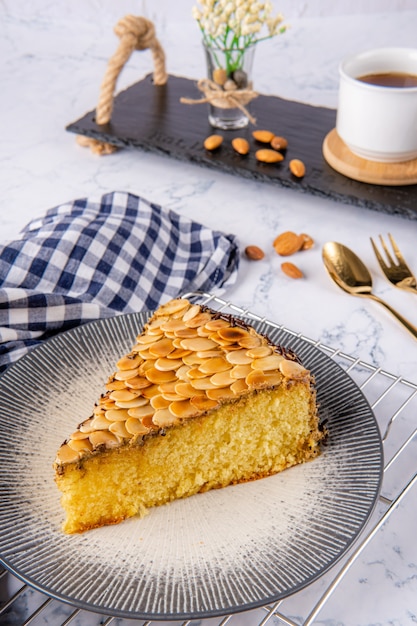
(254, 253)
(288, 243)
(291, 270)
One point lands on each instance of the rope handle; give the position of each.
(135, 33)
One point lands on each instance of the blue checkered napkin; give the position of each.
(93, 258)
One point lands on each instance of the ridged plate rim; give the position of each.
(191, 575)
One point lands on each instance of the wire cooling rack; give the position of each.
(394, 402)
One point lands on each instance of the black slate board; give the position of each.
(152, 118)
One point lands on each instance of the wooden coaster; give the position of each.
(340, 158)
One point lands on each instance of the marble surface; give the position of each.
(53, 60)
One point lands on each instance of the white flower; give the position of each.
(236, 24)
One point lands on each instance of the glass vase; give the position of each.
(231, 73)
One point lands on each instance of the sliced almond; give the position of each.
(259, 351)
(140, 401)
(80, 445)
(126, 374)
(162, 347)
(173, 306)
(198, 344)
(214, 365)
(117, 415)
(239, 387)
(268, 363)
(100, 423)
(135, 427)
(222, 379)
(193, 311)
(159, 402)
(292, 369)
(103, 438)
(216, 324)
(239, 357)
(184, 408)
(167, 365)
(157, 377)
(164, 418)
(203, 403)
(66, 454)
(198, 320)
(138, 382)
(259, 379)
(187, 390)
(250, 341)
(123, 395)
(119, 429)
(113, 385)
(221, 394)
(141, 412)
(241, 371)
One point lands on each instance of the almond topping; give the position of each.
(135, 427)
(157, 377)
(119, 429)
(267, 363)
(117, 415)
(259, 352)
(198, 344)
(129, 362)
(103, 438)
(80, 445)
(141, 412)
(222, 379)
(159, 402)
(215, 365)
(164, 418)
(239, 357)
(123, 395)
(221, 394)
(292, 369)
(183, 408)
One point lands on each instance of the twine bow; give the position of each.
(215, 95)
(135, 33)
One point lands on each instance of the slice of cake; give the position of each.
(202, 401)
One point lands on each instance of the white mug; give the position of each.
(379, 122)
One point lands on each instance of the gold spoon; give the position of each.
(351, 275)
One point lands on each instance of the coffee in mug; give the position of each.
(377, 109)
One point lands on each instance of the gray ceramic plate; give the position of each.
(215, 553)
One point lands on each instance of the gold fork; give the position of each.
(397, 272)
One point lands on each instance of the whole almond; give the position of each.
(240, 145)
(279, 143)
(265, 155)
(288, 243)
(213, 142)
(254, 253)
(297, 168)
(308, 242)
(219, 76)
(291, 270)
(264, 136)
